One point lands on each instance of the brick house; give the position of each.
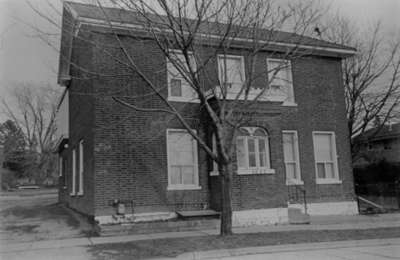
(109, 153)
(375, 145)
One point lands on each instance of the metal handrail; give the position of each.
(302, 190)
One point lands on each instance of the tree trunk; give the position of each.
(226, 199)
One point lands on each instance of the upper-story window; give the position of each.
(252, 151)
(280, 80)
(231, 73)
(179, 89)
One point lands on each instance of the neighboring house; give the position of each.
(375, 145)
(1, 164)
(109, 153)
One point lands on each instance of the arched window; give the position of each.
(252, 151)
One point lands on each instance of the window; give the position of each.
(80, 191)
(280, 80)
(73, 179)
(178, 87)
(231, 74)
(325, 157)
(387, 145)
(182, 160)
(252, 151)
(214, 170)
(60, 166)
(291, 157)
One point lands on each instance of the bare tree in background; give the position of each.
(32, 110)
(371, 77)
(185, 32)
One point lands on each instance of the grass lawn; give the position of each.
(177, 246)
(33, 218)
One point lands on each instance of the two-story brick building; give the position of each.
(148, 162)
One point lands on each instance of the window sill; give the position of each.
(214, 173)
(294, 182)
(255, 171)
(328, 181)
(184, 99)
(289, 104)
(183, 187)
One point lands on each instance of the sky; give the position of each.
(26, 58)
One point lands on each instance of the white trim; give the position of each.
(255, 171)
(183, 187)
(289, 104)
(98, 22)
(294, 182)
(73, 179)
(194, 186)
(335, 180)
(298, 180)
(328, 181)
(81, 168)
(60, 166)
(214, 173)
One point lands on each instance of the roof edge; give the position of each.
(343, 52)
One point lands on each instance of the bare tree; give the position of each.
(32, 110)
(190, 35)
(371, 77)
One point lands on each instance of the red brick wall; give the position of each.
(129, 160)
(319, 94)
(81, 122)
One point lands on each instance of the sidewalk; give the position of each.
(296, 250)
(317, 223)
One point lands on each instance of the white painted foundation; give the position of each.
(245, 218)
(135, 218)
(329, 208)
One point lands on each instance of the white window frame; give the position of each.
(254, 170)
(336, 179)
(60, 166)
(184, 84)
(81, 165)
(220, 60)
(214, 171)
(195, 186)
(73, 179)
(290, 83)
(298, 180)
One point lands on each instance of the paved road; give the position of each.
(341, 250)
(379, 250)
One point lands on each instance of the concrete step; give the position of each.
(296, 216)
(158, 227)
